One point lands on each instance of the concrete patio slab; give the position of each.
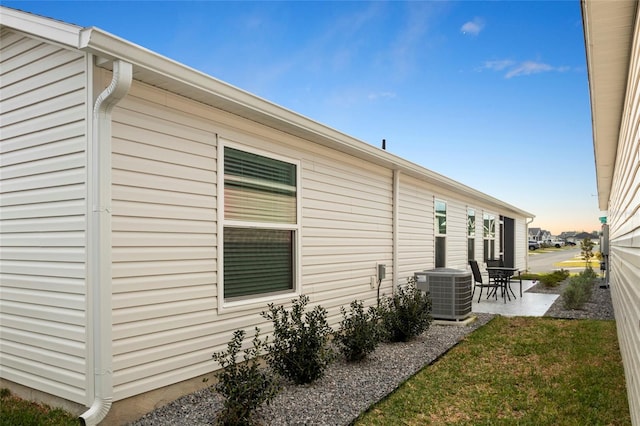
(529, 305)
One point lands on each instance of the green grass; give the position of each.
(524, 371)
(15, 411)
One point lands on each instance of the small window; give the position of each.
(471, 234)
(260, 225)
(441, 232)
(489, 233)
(441, 217)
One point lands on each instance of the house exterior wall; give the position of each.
(416, 228)
(43, 212)
(166, 321)
(167, 318)
(624, 233)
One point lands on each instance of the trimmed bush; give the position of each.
(554, 278)
(243, 385)
(579, 290)
(406, 314)
(300, 350)
(359, 333)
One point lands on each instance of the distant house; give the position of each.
(534, 234)
(149, 210)
(612, 39)
(538, 234)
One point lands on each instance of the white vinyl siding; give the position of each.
(624, 233)
(521, 245)
(347, 228)
(416, 228)
(43, 217)
(456, 234)
(164, 244)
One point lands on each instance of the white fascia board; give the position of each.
(44, 28)
(608, 34)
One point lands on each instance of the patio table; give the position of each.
(505, 274)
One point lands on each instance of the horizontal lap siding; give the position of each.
(415, 228)
(43, 217)
(521, 248)
(347, 228)
(624, 219)
(456, 234)
(164, 243)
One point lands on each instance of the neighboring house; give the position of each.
(545, 236)
(612, 39)
(538, 234)
(149, 210)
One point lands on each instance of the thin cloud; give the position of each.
(528, 68)
(517, 69)
(473, 28)
(498, 65)
(381, 95)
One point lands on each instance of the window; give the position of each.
(441, 232)
(489, 234)
(471, 234)
(260, 225)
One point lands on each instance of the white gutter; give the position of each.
(100, 290)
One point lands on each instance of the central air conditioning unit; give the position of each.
(450, 291)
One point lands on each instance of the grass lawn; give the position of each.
(15, 411)
(524, 371)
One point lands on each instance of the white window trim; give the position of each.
(258, 301)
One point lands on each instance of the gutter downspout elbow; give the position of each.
(99, 242)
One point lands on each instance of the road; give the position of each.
(543, 262)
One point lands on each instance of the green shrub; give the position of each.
(553, 279)
(300, 350)
(359, 333)
(243, 385)
(406, 314)
(579, 290)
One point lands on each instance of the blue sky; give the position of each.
(493, 94)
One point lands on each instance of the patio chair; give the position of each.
(498, 278)
(478, 283)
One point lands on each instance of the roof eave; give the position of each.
(162, 72)
(608, 33)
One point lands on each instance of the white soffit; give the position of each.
(157, 70)
(608, 32)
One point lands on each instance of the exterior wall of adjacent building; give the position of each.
(43, 210)
(624, 233)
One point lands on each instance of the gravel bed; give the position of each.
(598, 307)
(347, 390)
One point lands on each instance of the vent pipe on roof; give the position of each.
(384, 144)
(99, 244)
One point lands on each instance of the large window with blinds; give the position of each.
(260, 225)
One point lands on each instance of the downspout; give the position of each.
(100, 242)
(396, 227)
